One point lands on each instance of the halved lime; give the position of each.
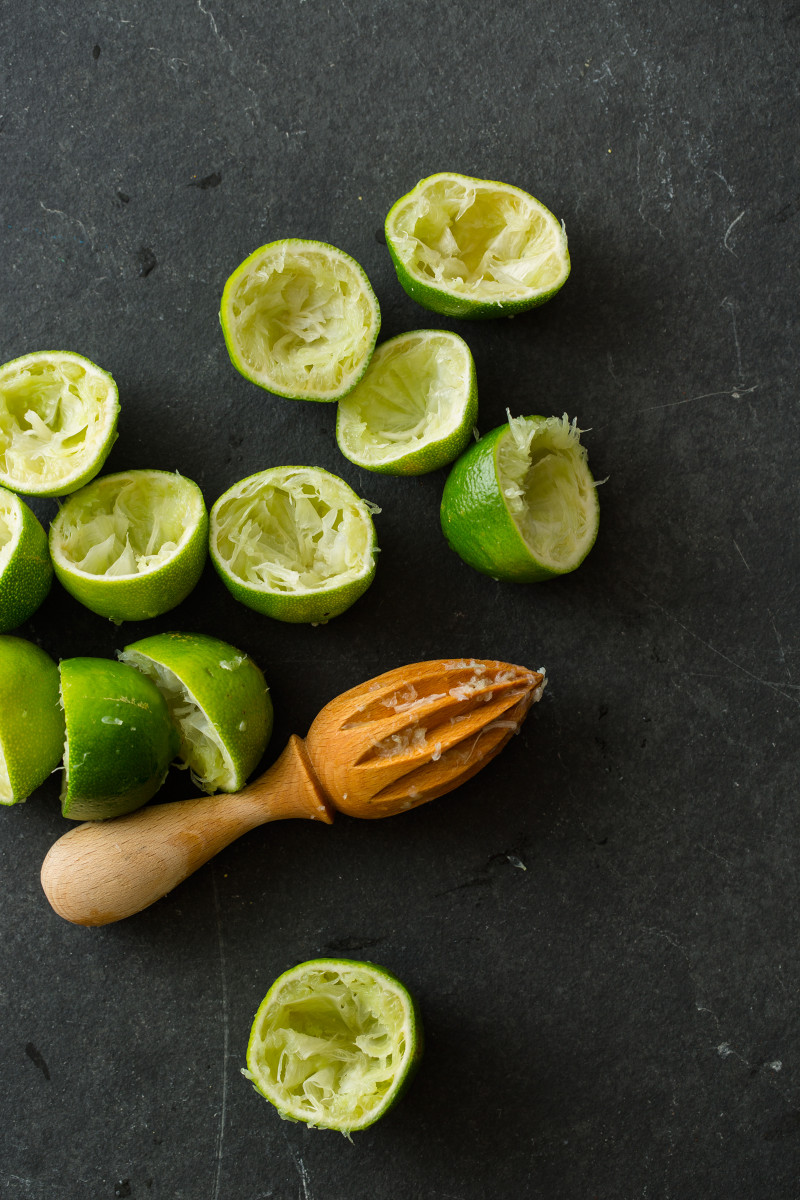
(132, 545)
(334, 1044)
(300, 319)
(31, 720)
(218, 701)
(414, 408)
(475, 248)
(58, 422)
(294, 543)
(521, 503)
(26, 571)
(120, 739)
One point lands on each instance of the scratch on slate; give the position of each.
(741, 556)
(60, 213)
(214, 27)
(225, 1034)
(300, 1166)
(728, 231)
(734, 393)
(728, 303)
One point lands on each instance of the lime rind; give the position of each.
(218, 701)
(58, 422)
(300, 319)
(295, 543)
(470, 247)
(415, 406)
(31, 720)
(131, 546)
(26, 571)
(334, 1044)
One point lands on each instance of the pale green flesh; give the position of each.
(6, 793)
(548, 489)
(10, 524)
(414, 392)
(127, 526)
(480, 240)
(296, 531)
(202, 749)
(54, 418)
(301, 320)
(331, 1046)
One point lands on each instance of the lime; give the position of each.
(475, 248)
(294, 543)
(414, 408)
(120, 740)
(26, 571)
(217, 699)
(132, 545)
(58, 422)
(31, 720)
(300, 319)
(334, 1044)
(521, 503)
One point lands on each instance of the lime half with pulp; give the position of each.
(120, 739)
(521, 504)
(218, 701)
(475, 248)
(58, 422)
(132, 545)
(414, 409)
(300, 319)
(334, 1044)
(31, 720)
(294, 543)
(26, 571)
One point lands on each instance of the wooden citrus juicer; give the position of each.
(386, 746)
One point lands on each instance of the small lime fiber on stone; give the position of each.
(414, 409)
(218, 701)
(131, 546)
(31, 719)
(335, 1043)
(521, 504)
(469, 247)
(26, 571)
(58, 422)
(293, 543)
(300, 319)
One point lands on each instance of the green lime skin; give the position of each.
(28, 574)
(225, 684)
(477, 524)
(31, 720)
(120, 739)
(297, 1001)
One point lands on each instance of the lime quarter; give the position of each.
(475, 248)
(414, 409)
(334, 1044)
(218, 701)
(300, 319)
(26, 571)
(521, 503)
(31, 720)
(120, 739)
(58, 422)
(132, 545)
(294, 543)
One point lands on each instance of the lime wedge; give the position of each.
(521, 503)
(58, 422)
(414, 408)
(300, 319)
(294, 543)
(334, 1044)
(217, 699)
(120, 739)
(475, 248)
(132, 545)
(31, 720)
(26, 571)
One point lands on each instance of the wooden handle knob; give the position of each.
(102, 871)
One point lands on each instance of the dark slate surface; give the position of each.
(618, 1019)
